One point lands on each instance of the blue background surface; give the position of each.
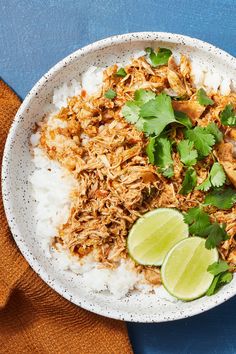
(34, 35)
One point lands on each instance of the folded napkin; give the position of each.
(33, 318)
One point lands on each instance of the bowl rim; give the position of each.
(22, 245)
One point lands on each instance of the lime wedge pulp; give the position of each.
(154, 234)
(184, 270)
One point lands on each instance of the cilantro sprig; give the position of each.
(142, 96)
(188, 155)
(131, 112)
(189, 182)
(200, 225)
(218, 267)
(213, 129)
(149, 112)
(121, 72)
(221, 198)
(159, 153)
(202, 139)
(203, 99)
(183, 119)
(222, 276)
(215, 234)
(198, 220)
(216, 178)
(110, 94)
(150, 150)
(160, 57)
(228, 116)
(157, 114)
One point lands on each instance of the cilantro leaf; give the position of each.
(189, 182)
(218, 282)
(142, 96)
(131, 109)
(159, 58)
(159, 154)
(110, 94)
(163, 158)
(203, 99)
(131, 112)
(228, 116)
(205, 185)
(217, 175)
(222, 277)
(149, 112)
(226, 278)
(188, 155)
(213, 129)
(199, 224)
(221, 198)
(218, 267)
(150, 149)
(121, 72)
(183, 119)
(215, 235)
(198, 220)
(214, 287)
(157, 114)
(216, 178)
(203, 141)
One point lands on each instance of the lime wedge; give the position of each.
(184, 270)
(154, 234)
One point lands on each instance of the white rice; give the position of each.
(52, 185)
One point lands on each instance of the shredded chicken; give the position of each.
(191, 107)
(106, 155)
(224, 153)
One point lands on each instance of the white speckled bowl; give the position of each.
(17, 166)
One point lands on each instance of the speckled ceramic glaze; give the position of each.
(17, 166)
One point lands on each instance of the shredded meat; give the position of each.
(224, 153)
(115, 182)
(191, 107)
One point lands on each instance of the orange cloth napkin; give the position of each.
(33, 318)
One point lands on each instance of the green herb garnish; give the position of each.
(228, 116)
(131, 109)
(203, 99)
(160, 57)
(218, 282)
(150, 149)
(188, 155)
(142, 96)
(198, 220)
(189, 182)
(218, 267)
(200, 225)
(215, 235)
(157, 114)
(222, 275)
(202, 139)
(149, 112)
(121, 72)
(159, 153)
(110, 94)
(183, 119)
(131, 112)
(221, 198)
(213, 129)
(216, 178)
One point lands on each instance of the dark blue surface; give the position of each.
(34, 35)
